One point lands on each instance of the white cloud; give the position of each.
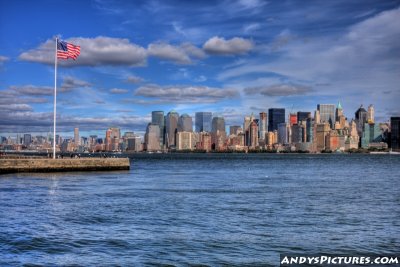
(118, 91)
(70, 83)
(279, 90)
(134, 79)
(168, 52)
(3, 59)
(96, 51)
(219, 46)
(185, 94)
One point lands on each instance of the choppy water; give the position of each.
(202, 209)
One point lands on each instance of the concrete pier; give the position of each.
(63, 165)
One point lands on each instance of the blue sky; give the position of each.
(232, 58)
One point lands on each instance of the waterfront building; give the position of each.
(275, 116)
(297, 134)
(253, 134)
(340, 118)
(27, 139)
(152, 137)
(372, 134)
(303, 116)
(204, 142)
(395, 133)
(292, 118)
(371, 114)
(284, 134)
(262, 126)
(76, 136)
(171, 128)
(361, 116)
(218, 124)
(327, 114)
(157, 117)
(185, 140)
(332, 142)
(322, 131)
(309, 130)
(317, 117)
(203, 121)
(185, 123)
(235, 129)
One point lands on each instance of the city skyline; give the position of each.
(229, 58)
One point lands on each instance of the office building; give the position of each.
(203, 121)
(292, 118)
(76, 136)
(371, 114)
(303, 116)
(275, 116)
(218, 124)
(27, 139)
(235, 129)
(284, 133)
(297, 134)
(327, 114)
(185, 123)
(372, 134)
(395, 133)
(157, 117)
(361, 116)
(171, 128)
(322, 131)
(253, 133)
(262, 126)
(152, 137)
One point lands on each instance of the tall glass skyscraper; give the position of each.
(171, 127)
(185, 123)
(275, 116)
(203, 121)
(327, 113)
(218, 124)
(157, 118)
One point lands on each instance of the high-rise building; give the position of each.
(395, 133)
(76, 136)
(361, 116)
(185, 141)
(372, 134)
(27, 139)
(218, 124)
(371, 114)
(203, 121)
(157, 117)
(327, 113)
(235, 129)
(171, 127)
(204, 141)
(284, 133)
(185, 123)
(262, 125)
(303, 116)
(292, 118)
(152, 137)
(340, 118)
(297, 134)
(275, 116)
(253, 131)
(322, 131)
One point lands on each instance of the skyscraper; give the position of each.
(327, 113)
(395, 135)
(76, 136)
(361, 118)
(292, 118)
(157, 117)
(152, 137)
(218, 124)
(171, 127)
(185, 123)
(203, 121)
(275, 116)
(262, 127)
(371, 114)
(303, 116)
(27, 139)
(253, 134)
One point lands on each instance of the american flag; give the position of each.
(66, 50)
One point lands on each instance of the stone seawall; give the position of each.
(63, 165)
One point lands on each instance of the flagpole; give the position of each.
(55, 101)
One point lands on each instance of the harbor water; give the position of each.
(202, 209)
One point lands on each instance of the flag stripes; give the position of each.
(66, 50)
